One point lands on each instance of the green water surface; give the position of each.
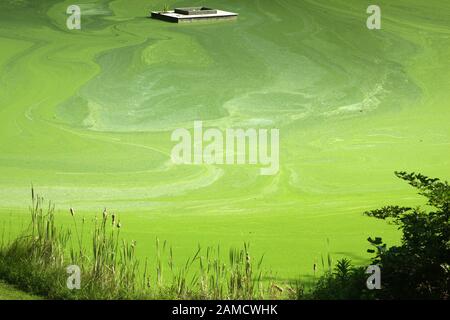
(86, 116)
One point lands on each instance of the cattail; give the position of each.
(280, 289)
(72, 212)
(119, 225)
(315, 267)
(113, 216)
(105, 214)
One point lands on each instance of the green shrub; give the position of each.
(344, 282)
(419, 268)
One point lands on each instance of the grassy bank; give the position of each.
(8, 292)
(37, 262)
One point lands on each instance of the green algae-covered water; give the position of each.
(87, 115)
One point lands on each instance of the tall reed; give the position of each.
(37, 261)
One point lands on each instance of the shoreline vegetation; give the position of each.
(9, 292)
(37, 260)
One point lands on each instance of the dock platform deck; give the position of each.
(175, 16)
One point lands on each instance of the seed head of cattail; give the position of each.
(280, 289)
(72, 212)
(113, 216)
(105, 214)
(119, 225)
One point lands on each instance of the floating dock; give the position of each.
(192, 14)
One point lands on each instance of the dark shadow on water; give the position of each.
(356, 258)
(305, 280)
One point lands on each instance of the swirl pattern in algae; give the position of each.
(86, 115)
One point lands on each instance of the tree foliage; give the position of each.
(419, 268)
